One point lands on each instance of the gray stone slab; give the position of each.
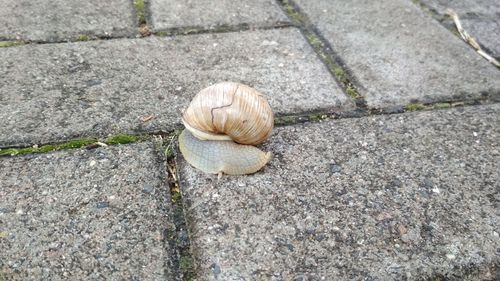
(85, 215)
(485, 7)
(52, 92)
(207, 14)
(481, 19)
(57, 20)
(400, 55)
(394, 197)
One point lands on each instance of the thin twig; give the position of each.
(469, 39)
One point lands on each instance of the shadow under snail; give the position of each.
(223, 122)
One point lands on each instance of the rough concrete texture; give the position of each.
(397, 197)
(481, 19)
(53, 92)
(57, 20)
(85, 214)
(208, 14)
(400, 55)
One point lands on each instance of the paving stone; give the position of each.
(481, 19)
(57, 20)
(85, 214)
(400, 55)
(485, 7)
(166, 14)
(52, 92)
(396, 197)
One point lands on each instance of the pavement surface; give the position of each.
(479, 18)
(65, 20)
(208, 14)
(399, 54)
(394, 176)
(383, 198)
(85, 214)
(72, 90)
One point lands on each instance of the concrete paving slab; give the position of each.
(53, 92)
(481, 19)
(400, 55)
(395, 197)
(60, 20)
(85, 215)
(167, 14)
(485, 7)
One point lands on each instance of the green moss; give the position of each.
(82, 38)
(4, 44)
(140, 11)
(176, 196)
(421, 106)
(334, 68)
(415, 107)
(75, 144)
(169, 152)
(352, 92)
(291, 12)
(339, 73)
(186, 266)
(122, 139)
(442, 105)
(284, 120)
(317, 117)
(162, 33)
(9, 151)
(47, 148)
(314, 40)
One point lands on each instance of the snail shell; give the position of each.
(219, 116)
(230, 111)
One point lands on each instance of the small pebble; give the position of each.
(102, 205)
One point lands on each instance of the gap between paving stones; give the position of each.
(183, 263)
(146, 32)
(332, 61)
(141, 14)
(88, 143)
(190, 30)
(280, 121)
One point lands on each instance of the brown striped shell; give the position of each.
(217, 118)
(229, 110)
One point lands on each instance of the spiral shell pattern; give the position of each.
(222, 123)
(230, 110)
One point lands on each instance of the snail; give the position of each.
(223, 122)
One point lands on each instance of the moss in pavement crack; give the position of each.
(47, 148)
(317, 43)
(140, 10)
(292, 12)
(4, 44)
(72, 144)
(122, 139)
(439, 105)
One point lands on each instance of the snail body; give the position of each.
(226, 156)
(222, 122)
